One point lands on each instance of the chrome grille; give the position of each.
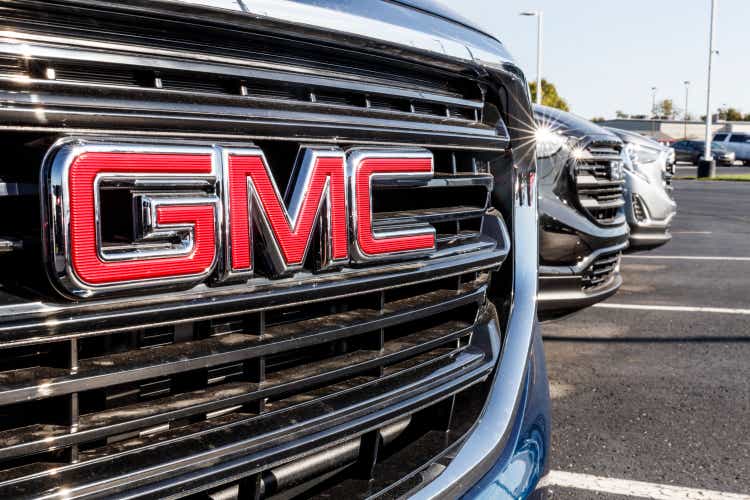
(599, 192)
(248, 379)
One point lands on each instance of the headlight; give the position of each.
(548, 142)
(641, 154)
(630, 162)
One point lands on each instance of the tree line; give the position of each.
(666, 110)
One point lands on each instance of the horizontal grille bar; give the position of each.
(176, 445)
(174, 358)
(600, 190)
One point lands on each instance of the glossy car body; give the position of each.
(692, 152)
(294, 385)
(582, 224)
(735, 142)
(649, 202)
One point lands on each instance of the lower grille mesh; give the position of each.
(638, 211)
(90, 398)
(601, 271)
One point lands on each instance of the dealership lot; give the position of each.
(661, 394)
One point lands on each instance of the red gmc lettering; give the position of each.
(180, 194)
(319, 193)
(85, 254)
(367, 167)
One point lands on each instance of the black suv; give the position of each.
(583, 229)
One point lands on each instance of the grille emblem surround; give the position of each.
(196, 209)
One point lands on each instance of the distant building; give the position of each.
(672, 130)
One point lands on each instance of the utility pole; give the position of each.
(653, 112)
(687, 94)
(707, 165)
(539, 24)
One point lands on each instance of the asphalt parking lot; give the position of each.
(655, 400)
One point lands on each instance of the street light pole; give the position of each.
(687, 94)
(707, 167)
(653, 112)
(539, 24)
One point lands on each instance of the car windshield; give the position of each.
(720, 137)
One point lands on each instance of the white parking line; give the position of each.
(686, 257)
(638, 489)
(648, 307)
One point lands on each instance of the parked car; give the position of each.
(649, 196)
(583, 229)
(173, 325)
(692, 152)
(736, 142)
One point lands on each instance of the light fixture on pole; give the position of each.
(707, 165)
(687, 94)
(539, 20)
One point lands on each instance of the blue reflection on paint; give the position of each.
(517, 473)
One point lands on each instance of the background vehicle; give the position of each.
(692, 151)
(736, 142)
(581, 212)
(649, 203)
(342, 375)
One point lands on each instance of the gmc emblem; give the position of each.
(196, 209)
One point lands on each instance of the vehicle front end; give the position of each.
(649, 195)
(723, 155)
(583, 229)
(173, 326)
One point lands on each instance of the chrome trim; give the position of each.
(55, 199)
(33, 46)
(347, 23)
(354, 159)
(485, 443)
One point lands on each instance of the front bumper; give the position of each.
(726, 158)
(566, 234)
(561, 288)
(657, 209)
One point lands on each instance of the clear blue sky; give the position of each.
(605, 55)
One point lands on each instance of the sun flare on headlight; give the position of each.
(549, 139)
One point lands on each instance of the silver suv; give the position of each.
(738, 142)
(650, 206)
